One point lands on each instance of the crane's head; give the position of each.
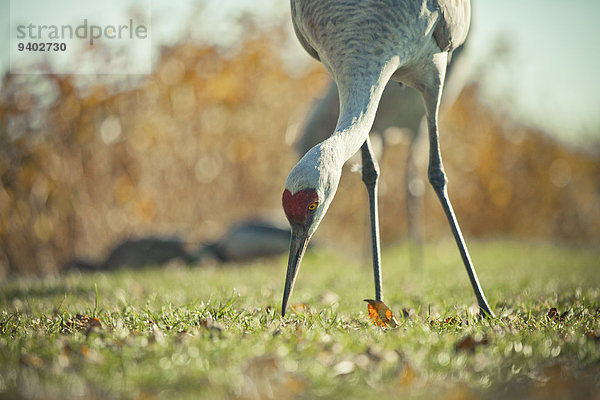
(309, 189)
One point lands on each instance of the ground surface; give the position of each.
(214, 332)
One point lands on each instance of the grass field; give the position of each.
(215, 332)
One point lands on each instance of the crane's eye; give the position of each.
(313, 206)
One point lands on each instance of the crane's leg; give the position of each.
(437, 178)
(370, 174)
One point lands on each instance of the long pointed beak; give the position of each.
(298, 245)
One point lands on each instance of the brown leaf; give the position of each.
(380, 314)
(83, 322)
(563, 316)
(552, 314)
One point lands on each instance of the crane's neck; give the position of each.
(360, 91)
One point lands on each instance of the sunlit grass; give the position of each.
(215, 332)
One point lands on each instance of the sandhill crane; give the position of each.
(363, 44)
(244, 241)
(138, 253)
(249, 240)
(400, 107)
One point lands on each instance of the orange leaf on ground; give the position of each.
(83, 322)
(380, 314)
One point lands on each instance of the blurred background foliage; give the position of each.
(205, 140)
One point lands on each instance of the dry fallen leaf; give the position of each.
(380, 314)
(83, 322)
(552, 314)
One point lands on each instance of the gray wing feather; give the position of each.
(309, 49)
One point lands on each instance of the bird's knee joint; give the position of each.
(370, 174)
(437, 179)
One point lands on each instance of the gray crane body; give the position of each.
(363, 44)
(400, 107)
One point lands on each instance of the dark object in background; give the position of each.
(244, 241)
(138, 253)
(249, 240)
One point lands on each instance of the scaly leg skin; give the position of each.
(437, 178)
(370, 174)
